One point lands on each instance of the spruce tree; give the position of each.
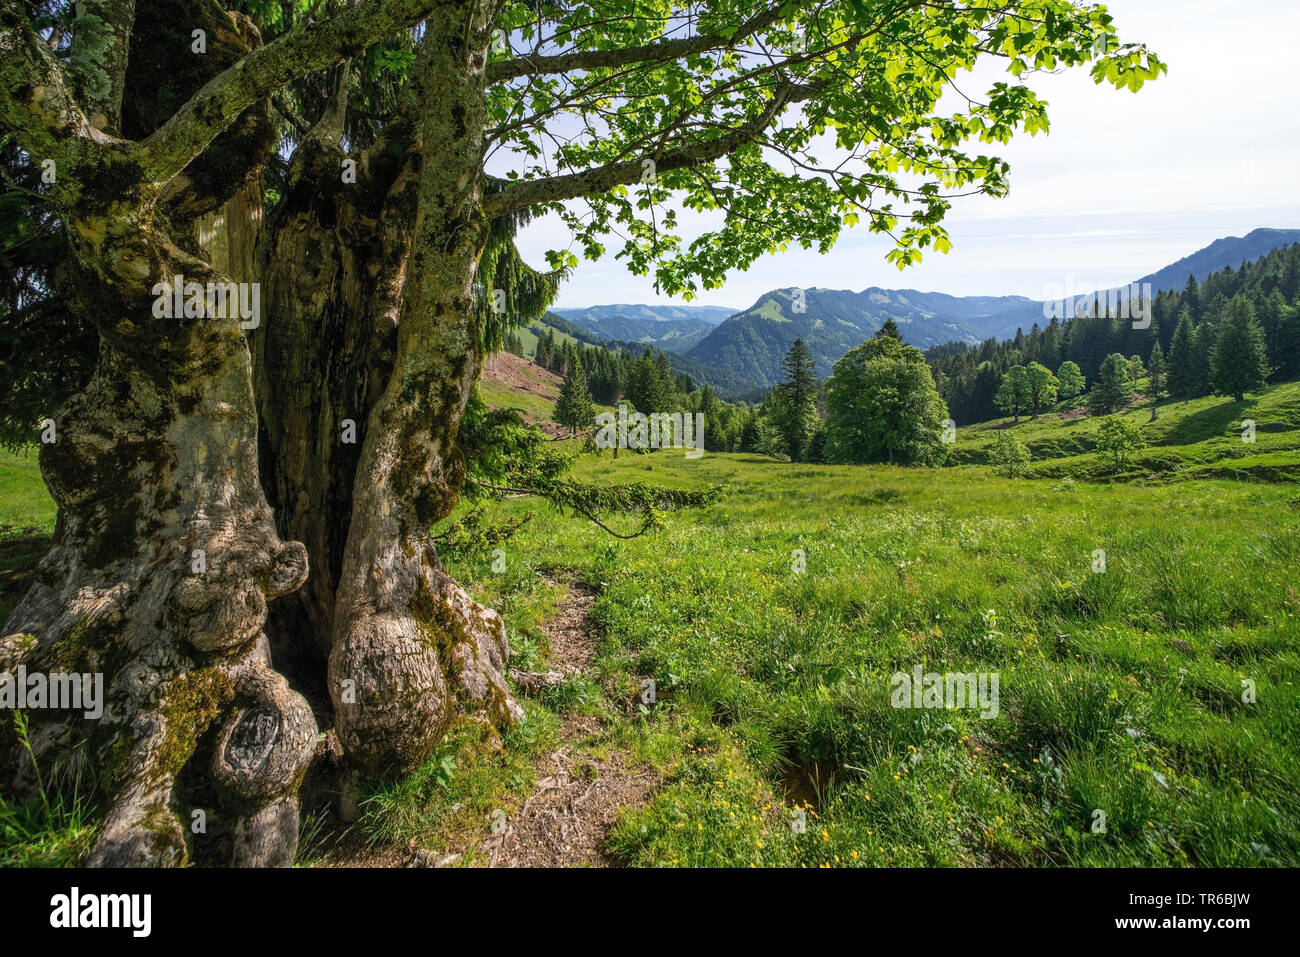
(574, 407)
(644, 388)
(1156, 367)
(1203, 345)
(1192, 299)
(1182, 359)
(1112, 390)
(797, 415)
(1238, 359)
(668, 382)
(1286, 357)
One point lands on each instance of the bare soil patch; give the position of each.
(580, 789)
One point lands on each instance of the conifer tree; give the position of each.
(1112, 390)
(1203, 344)
(542, 356)
(797, 406)
(1182, 359)
(574, 407)
(1156, 368)
(1238, 359)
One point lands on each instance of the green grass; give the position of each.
(24, 502)
(1198, 438)
(56, 828)
(26, 522)
(534, 408)
(1120, 692)
(528, 338)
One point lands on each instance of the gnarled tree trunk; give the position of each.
(179, 522)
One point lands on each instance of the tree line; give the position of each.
(603, 376)
(1248, 317)
(879, 405)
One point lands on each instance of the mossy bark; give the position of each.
(188, 443)
(409, 647)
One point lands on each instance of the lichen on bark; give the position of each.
(201, 479)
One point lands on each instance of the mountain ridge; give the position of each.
(749, 344)
(753, 342)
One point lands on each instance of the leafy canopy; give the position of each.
(792, 120)
(883, 407)
(1118, 440)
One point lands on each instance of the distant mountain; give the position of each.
(831, 322)
(677, 335)
(752, 343)
(560, 324)
(729, 386)
(710, 314)
(1221, 254)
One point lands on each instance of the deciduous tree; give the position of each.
(239, 505)
(1013, 392)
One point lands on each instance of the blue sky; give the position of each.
(1123, 185)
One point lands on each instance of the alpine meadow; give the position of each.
(476, 434)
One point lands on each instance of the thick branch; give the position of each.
(659, 52)
(601, 179)
(101, 39)
(34, 98)
(259, 74)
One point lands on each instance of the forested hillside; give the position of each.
(1185, 323)
(831, 322)
(1226, 253)
(676, 334)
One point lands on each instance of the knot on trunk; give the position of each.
(399, 676)
(266, 743)
(221, 605)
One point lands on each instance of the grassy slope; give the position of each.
(1127, 683)
(1200, 437)
(518, 384)
(528, 339)
(26, 522)
(1121, 692)
(24, 503)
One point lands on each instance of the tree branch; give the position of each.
(662, 51)
(304, 50)
(34, 98)
(98, 71)
(601, 179)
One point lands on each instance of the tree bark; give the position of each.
(409, 647)
(180, 520)
(164, 558)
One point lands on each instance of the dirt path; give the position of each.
(580, 790)
(579, 793)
